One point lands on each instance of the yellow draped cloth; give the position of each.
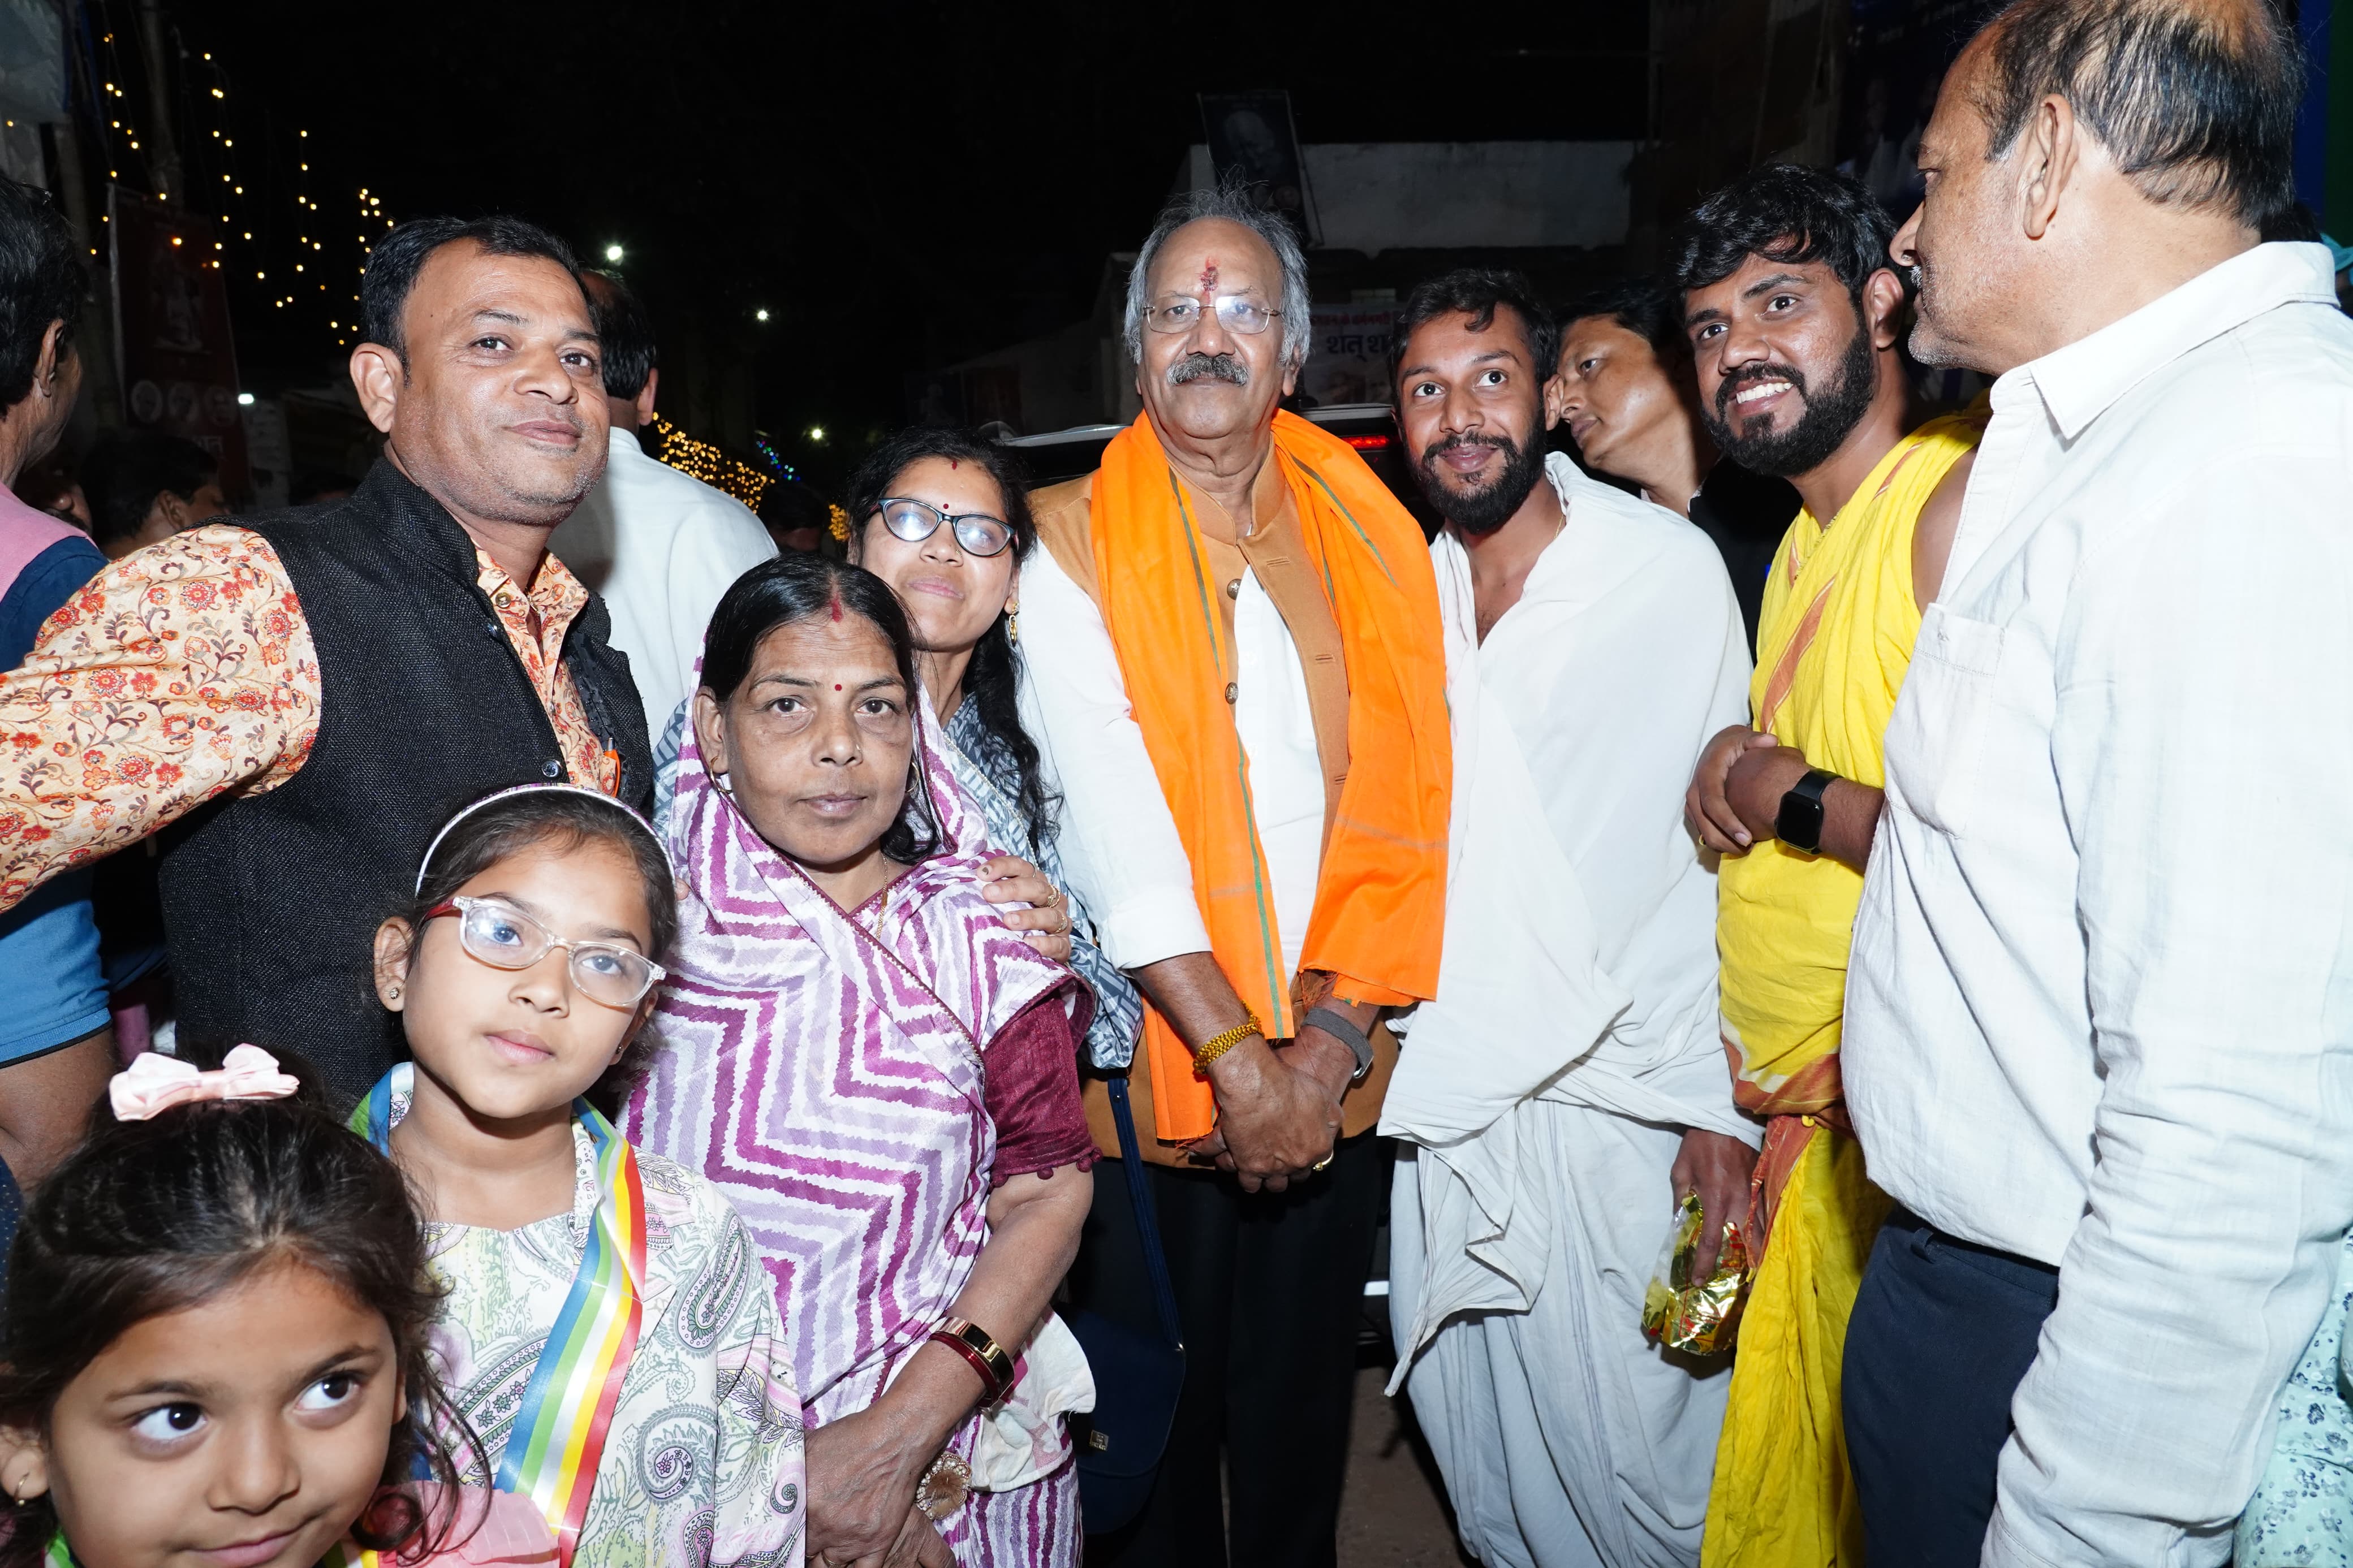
(1834, 640)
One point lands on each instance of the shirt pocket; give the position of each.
(1935, 739)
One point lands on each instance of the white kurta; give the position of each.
(1573, 1038)
(660, 548)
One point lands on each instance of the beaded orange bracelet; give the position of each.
(1216, 1046)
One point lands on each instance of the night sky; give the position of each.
(899, 185)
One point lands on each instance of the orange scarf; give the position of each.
(1380, 896)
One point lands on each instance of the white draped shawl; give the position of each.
(1580, 931)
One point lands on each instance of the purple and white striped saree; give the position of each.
(825, 1070)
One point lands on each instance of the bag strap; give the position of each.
(1147, 1217)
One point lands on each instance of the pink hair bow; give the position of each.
(155, 1083)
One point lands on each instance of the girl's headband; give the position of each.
(598, 796)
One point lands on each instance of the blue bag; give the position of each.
(1138, 1376)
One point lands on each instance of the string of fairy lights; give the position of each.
(248, 188)
(248, 183)
(712, 465)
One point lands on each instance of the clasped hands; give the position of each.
(1278, 1109)
(1735, 799)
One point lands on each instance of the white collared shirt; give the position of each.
(660, 548)
(2100, 1006)
(1119, 843)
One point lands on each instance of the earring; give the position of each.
(1013, 623)
(392, 990)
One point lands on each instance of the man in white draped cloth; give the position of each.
(1566, 1087)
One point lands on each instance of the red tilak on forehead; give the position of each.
(1209, 274)
(954, 465)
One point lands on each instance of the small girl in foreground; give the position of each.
(214, 1340)
(609, 1332)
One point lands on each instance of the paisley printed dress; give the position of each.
(2302, 1513)
(703, 1463)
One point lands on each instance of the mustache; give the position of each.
(1217, 367)
(1437, 450)
(1732, 384)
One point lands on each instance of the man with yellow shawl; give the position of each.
(1794, 312)
(1236, 673)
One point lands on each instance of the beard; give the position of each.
(1490, 506)
(1805, 446)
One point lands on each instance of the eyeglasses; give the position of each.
(914, 521)
(503, 936)
(1235, 312)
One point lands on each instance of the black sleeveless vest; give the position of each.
(272, 901)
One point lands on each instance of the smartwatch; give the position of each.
(1798, 824)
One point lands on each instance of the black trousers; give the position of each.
(1943, 1330)
(1270, 1289)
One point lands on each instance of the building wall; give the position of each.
(1372, 196)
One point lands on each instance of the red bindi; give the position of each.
(954, 465)
(837, 686)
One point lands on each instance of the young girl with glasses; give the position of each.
(215, 1344)
(606, 1330)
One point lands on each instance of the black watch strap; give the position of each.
(1337, 1026)
(1798, 824)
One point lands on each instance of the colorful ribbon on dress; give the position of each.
(567, 1407)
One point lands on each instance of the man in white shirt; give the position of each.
(1237, 676)
(2099, 1022)
(657, 546)
(1564, 1087)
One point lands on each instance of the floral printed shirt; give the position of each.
(185, 670)
(702, 1462)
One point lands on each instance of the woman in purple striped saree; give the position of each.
(881, 1077)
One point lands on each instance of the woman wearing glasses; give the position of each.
(882, 1077)
(943, 517)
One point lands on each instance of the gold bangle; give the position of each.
(1216, 1046)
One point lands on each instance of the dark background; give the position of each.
(899, 185)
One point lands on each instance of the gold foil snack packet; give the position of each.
(1697, 1316)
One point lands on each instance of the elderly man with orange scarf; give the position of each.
(1236, 674)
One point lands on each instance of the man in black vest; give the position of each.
(298, 701)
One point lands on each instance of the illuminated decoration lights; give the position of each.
(714, 466)
(775, 460)
(216, 162)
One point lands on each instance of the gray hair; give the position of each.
(1234, 203)
(2196, 103)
